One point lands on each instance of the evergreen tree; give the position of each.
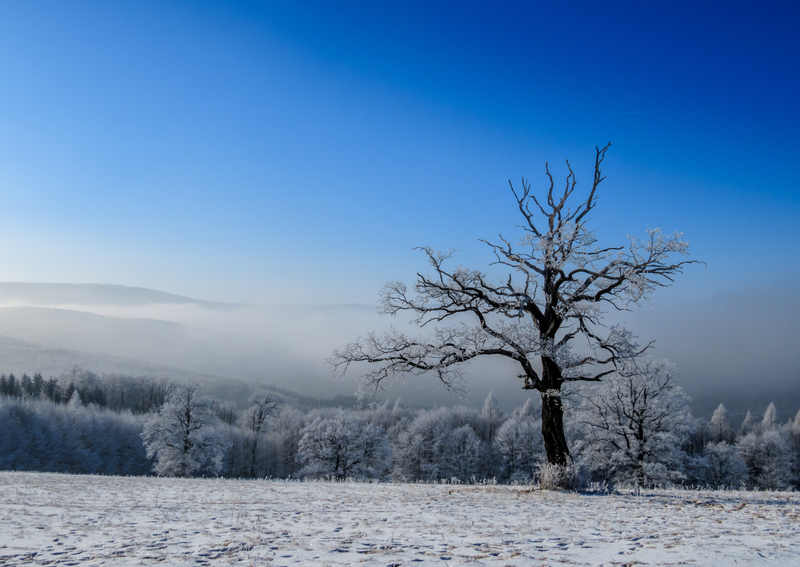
(748, 425)
(719, 429)
(492, 419)
(770, 420)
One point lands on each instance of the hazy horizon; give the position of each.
(121, 329)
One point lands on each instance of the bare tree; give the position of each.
(558, 282)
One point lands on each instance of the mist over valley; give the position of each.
(112, 329)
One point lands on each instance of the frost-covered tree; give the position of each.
(282, 442)
(236, 458)
(394, 419)
(793, 432)
(557, 281)
(183, 436)
(344, 446)
(75, 400)
(463, 456)
(768, 458)
(719, 466)
(719, 429)
(749, 425)
(522, 450)
(441, 444)
(421, 451)
(635, 423)
(770, 420)
(493, 419)
(43, 436)
(254, 420)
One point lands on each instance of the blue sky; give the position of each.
(296, 152)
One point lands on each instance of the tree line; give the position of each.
(634, 428)
(116, 392)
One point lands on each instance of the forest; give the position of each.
(632, 429)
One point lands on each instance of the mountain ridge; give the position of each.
(47, 294)
(43, 294)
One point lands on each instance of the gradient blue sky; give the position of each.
(295, 152)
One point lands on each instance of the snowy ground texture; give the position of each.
(52, 519)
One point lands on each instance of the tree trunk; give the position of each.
(254, 457)
(555, 441)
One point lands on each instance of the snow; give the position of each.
(54, 519)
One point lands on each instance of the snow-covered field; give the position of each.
(51, 519)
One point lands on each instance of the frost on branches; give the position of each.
(183, 436)
(558, 282)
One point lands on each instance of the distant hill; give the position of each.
(52, 294)
(152, 343)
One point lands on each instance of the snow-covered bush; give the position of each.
(572, 476)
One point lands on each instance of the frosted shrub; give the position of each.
(572, 476)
